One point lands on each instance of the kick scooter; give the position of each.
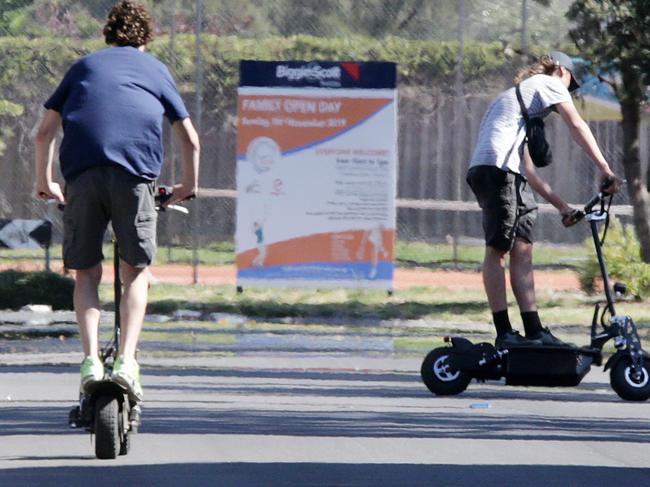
(448, 370)
(107, 409)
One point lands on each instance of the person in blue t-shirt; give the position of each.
(111, 105)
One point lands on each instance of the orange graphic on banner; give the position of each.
(294, 121)
(354, 245)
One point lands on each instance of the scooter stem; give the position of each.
(603, 268)
(117, 293)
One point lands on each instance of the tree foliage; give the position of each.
(616, 35)
(436, 20)
(623, 263)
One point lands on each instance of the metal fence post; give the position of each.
(459, 132)
(172, 147)
(199, 127)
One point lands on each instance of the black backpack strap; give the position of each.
(524, 112)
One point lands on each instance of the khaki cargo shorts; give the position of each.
(508, 205)
(102, 194)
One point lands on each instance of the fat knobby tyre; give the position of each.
(439, 377)
(107, 422)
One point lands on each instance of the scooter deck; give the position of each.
(551, 366)
(81, 416)
(108, 386)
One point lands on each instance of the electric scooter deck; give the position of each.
(541, 365)
(82, 416)
(550, 366)
(111, 387)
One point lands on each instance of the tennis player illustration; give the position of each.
(258, 229)
(374, 236)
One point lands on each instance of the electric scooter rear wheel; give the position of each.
(107, 427)
(628, 385)
(438, 375)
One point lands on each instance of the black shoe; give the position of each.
(545, 337)
(512, 338)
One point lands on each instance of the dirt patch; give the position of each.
(457, 280)
(557, 280)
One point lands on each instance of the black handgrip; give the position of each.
(573, 217)
(606, 184)
(163, 195)
(59, 205)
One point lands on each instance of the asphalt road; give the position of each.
(317, 419)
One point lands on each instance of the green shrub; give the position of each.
(624, 264)
(19, 288)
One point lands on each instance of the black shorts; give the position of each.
(508, 204)
(102, 194)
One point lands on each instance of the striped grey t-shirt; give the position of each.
(502, 131)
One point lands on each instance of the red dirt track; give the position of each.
(404, 278)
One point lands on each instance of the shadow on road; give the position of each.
(354, 423)
(323, 474)
(200, 401)
(349, 311)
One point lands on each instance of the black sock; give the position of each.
(501, 322)
(532, 324)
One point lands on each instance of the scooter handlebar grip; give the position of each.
(609, 181)
(573, 217)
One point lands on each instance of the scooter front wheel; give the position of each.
(107, 427)
(629, 384)
(125, 444)
(438, 375)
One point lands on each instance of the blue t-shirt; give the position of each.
(112, 104)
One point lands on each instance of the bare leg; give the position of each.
(86, 306)
(494, 278)
(132, 307)
(521, 275)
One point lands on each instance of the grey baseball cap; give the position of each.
(565, 61)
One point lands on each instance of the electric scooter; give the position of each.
(448, 370)
(107, 409)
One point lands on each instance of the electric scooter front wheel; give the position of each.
(439, 377)
(125, 444)
(630, 384)
(107, 428)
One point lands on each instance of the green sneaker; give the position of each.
(126, 372)
(92, 370)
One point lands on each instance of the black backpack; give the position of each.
(538, 147)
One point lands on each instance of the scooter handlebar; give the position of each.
(607, 183)
(575, 215)
(163, 195)
(593, 202)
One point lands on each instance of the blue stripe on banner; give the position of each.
(322, 271)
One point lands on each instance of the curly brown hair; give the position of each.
(128, 24)
(545, 65)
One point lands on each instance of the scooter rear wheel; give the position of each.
(107, 424)
(439, 377)
(630, 386)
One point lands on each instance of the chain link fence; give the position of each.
(453, 57)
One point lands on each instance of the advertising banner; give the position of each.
(316, 174)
